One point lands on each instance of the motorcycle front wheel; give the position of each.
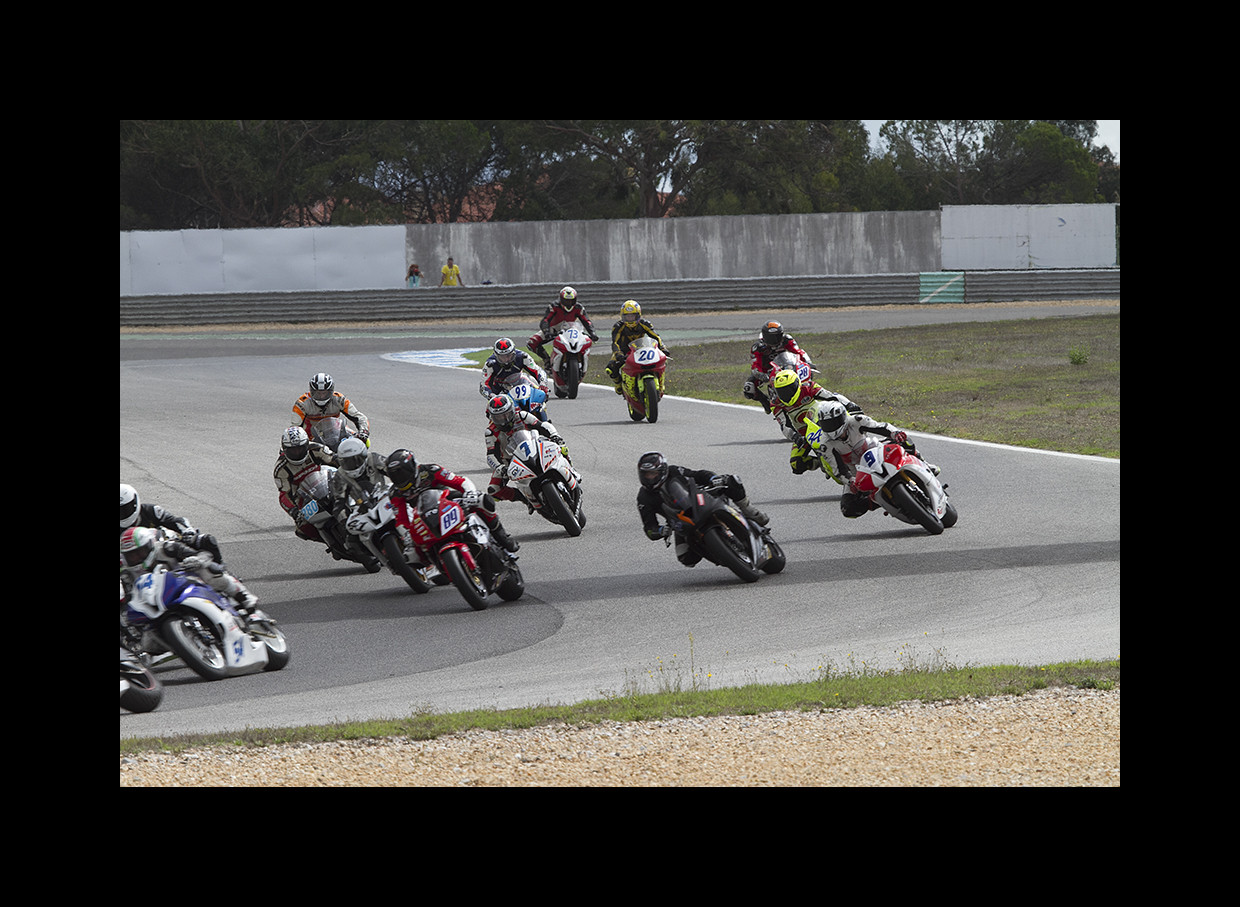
(466, 583)
(195, 643)
(394, 554)
(650, 388)
(266, 632)
(571, 377)
(726, 552)
(145, 692)
(552, 499)
(908, 498)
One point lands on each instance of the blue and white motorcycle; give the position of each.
(173, 611)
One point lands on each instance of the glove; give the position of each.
(593, 336)
(556, 439)
(196, 561)
(900, 436)
(470, 499)
(719, 481)
(364, 435)
(658, 532)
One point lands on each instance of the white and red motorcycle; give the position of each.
(543, 476)
(570, 354)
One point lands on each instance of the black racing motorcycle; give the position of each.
(713, 525)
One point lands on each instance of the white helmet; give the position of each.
(131, 506)
(832, 419)
(296, 444)
(352, 454)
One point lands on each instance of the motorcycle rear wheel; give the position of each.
(394, 554)
(724, 553)
(475, 596)
(195, 642)
(650, 389)
(911, 502)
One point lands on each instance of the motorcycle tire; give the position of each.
(950, 516)
(195, 642)
(777, 561)
(724, 553)
(554, 501)
(272, 637)
(513, 586)
(145, 692)
(911, 502)
(394, 554)
(571, 377)
(475, 596)
(650, 388)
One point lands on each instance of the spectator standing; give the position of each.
(451, 275)
(414, 277)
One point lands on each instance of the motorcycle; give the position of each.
(713, 524)
(791, 362)
(642, 379)
(529, 398)
(141, 690)
(459, 544)
(570, 353)
(330, 431)
(314, 500)
(172, 610)
(900, 483)
(373, 521)
(543, 476)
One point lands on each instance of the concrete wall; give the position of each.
(156, 263)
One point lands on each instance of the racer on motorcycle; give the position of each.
(630, 326)
(793, 398)
(843, 433)
(410, 478)
(770, 343)
(653, 471)
(297, 455)
(153, 516)
(142, 549)
(324, 400)
(503, 419)
(566, 309)
(359, 472)
(505, 365)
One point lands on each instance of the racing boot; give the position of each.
(752, 512)
(506, 541)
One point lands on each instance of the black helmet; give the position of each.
(652, 469)
(402, 468)
(772, 334)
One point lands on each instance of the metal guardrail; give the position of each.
(662, 296)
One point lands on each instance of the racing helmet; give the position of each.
(833, 420)
(772, 334)
(787, 386)
(652, 469)
(630, 312)
(402, 468)
(131, 506)
(568, 298)
(501, 410)
(138, 547)
(352, 455)
(505, 350)
(296, 444)
(321, 387)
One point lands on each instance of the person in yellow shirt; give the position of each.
(451, 275)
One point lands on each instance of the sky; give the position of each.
(1108, 134)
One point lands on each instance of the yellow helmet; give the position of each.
(787, 386)
(630, 312)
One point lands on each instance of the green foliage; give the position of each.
(178, 174)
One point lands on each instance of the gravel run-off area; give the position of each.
(1059, 737)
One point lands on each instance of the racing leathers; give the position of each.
(308, 411)
(348, 490)
(177, 554)
(791, 419)
(155, 516)
(649, 501)
(555, 317)
(622, 334)
(761, 356)
(431, 475)
(288, 475)
(498, 376)
(497, 438)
